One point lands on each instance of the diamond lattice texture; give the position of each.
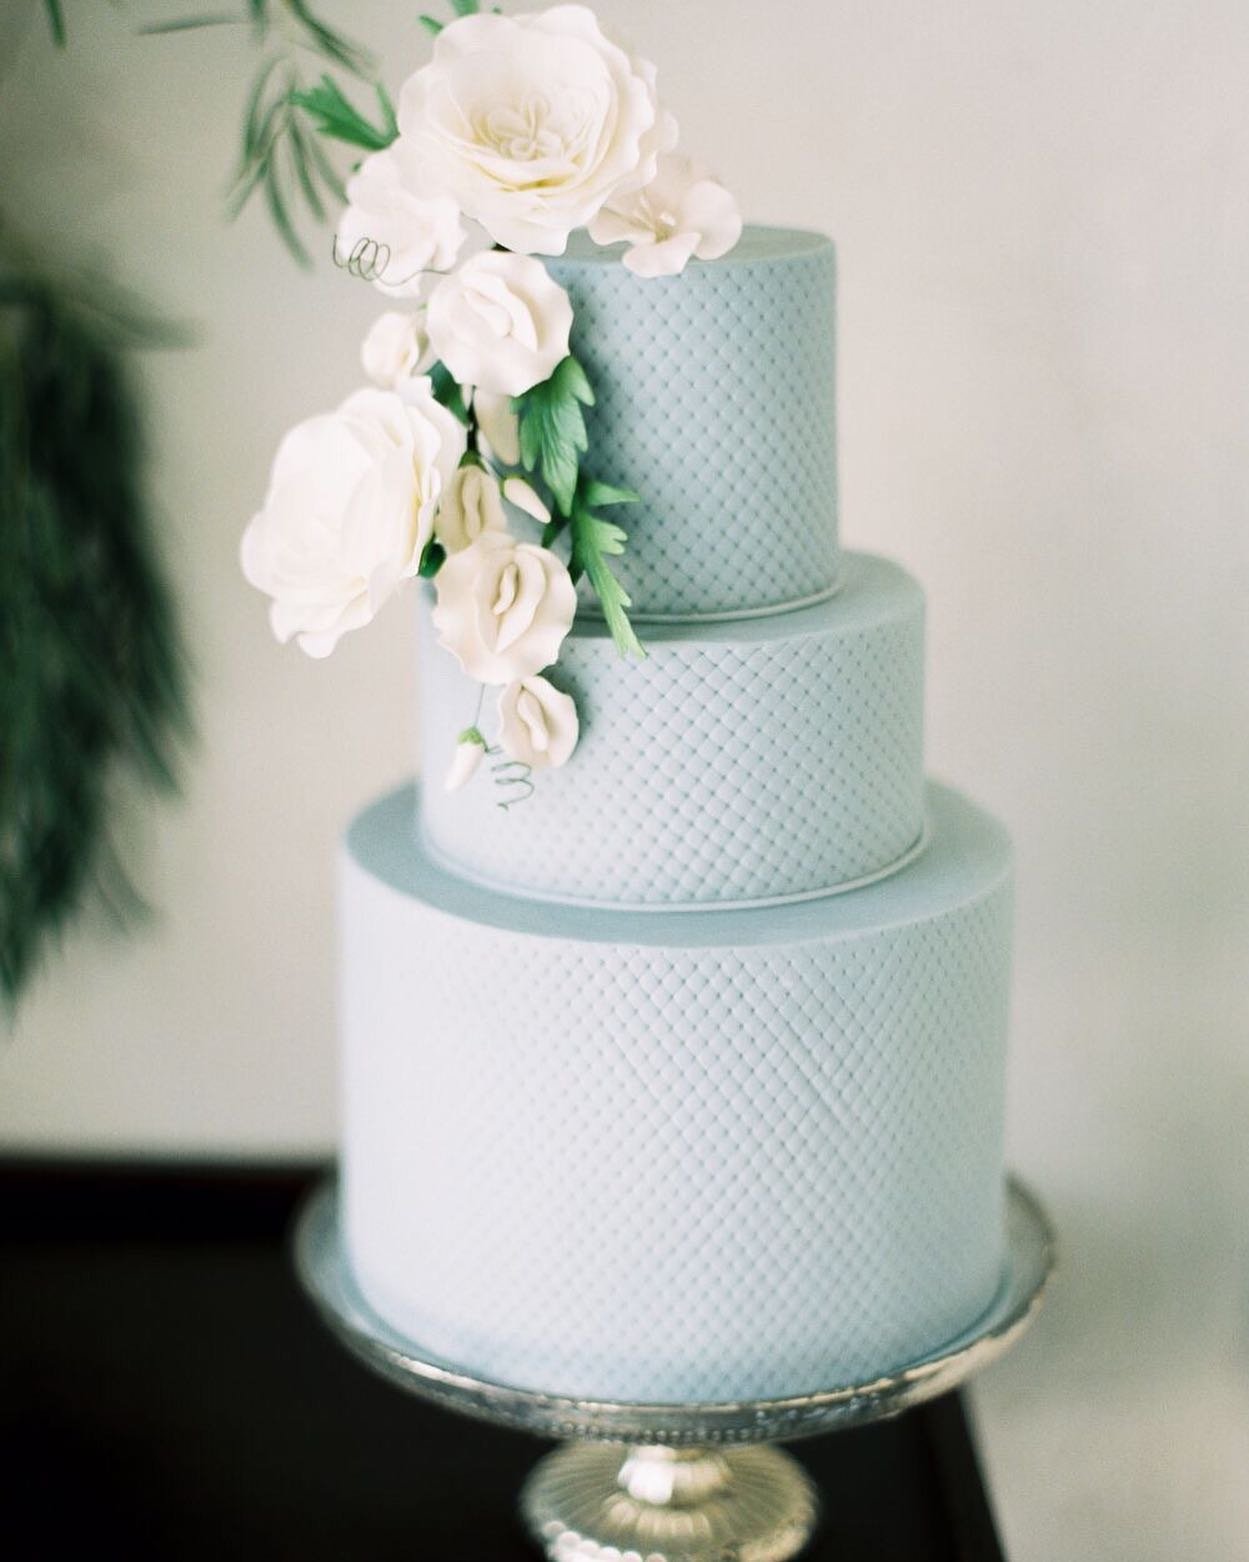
(696, 1158)
(737, 762)
(716, 404)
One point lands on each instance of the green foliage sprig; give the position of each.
(92, 669)
(594, 541)
(285, 120)
(334, 116)
(286, 114)
(553, 440)
(56, 21)
(282, 156)
(431, 24)
(552, 429)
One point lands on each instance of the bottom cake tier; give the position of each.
(676, 1156)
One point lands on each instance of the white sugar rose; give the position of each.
(395, 229)
(537, 723)
(396, 348)
(471, 505)
(682, 212)
(503, 608)
(349, 510)
(531, 122)
(500, 322)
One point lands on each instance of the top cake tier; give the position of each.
(715, 402)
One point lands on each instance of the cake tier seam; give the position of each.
(752, 903)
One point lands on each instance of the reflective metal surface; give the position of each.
(325, 1275)
(593, 1502)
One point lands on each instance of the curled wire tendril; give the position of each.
(368, 261)
(512, 773)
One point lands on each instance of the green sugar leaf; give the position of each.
(600, 496)
(465, 7)
(552, 529)
(447, 391)
(594, 541)
(575, 379)
(431, 24)
(552, 429)
(432, 559)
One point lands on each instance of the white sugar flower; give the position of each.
(500, 322)
(396, 348)
(349, 510)
(503, 608)
(394, 228)
(537, 723)
(682, 212)
(531, 122)
(470, 749)
(471, 505)
(498, 424)
(522, 494)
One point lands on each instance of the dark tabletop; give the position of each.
(166, 1392)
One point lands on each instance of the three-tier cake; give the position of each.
(680, 1076)
(674, 1017)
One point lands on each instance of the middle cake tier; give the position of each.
(759, 760)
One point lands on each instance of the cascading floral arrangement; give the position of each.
(524, 129)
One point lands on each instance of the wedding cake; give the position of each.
(673, 1019)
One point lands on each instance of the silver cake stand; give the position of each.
(670, 1483)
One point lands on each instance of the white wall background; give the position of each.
(1043, 218)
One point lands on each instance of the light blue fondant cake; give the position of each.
(676, 1073)
(715, 402)
(756, 759)
(701, 1157)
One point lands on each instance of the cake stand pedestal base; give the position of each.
(597, 1502)
(671, 1482)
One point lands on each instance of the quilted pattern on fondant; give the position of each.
(757, 1157)
(736, 763)
(715, 402)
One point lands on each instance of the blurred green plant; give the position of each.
(287, 113)
(93, 674)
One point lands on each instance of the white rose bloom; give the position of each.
(394, 228)
(396, 348)
(349, 510)
(499, 424)
(471, 505)
(537, 723)
(682, 212)
(531, 122)
(500, 322)
(503, 608)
